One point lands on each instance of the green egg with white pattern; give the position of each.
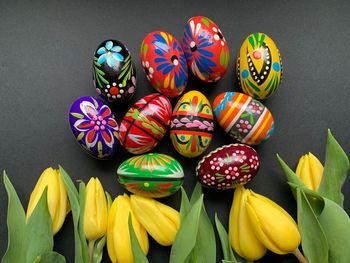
(152, 175)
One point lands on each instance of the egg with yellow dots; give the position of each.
(259, 66)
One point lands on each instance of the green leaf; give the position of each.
(225, 243)
(222, 57)
(335, 223)
(77, 115)
(73, 196)
(52, 257)
(139, 257)
(16, 226)
(196, 194)
(39, 229)
(80, 136)
(183, 245)
(205, 21)
(145, 48)
(185, 204)
(314, 242)
(335, 171)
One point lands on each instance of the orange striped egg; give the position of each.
(243, 118)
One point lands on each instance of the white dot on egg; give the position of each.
(121, 91)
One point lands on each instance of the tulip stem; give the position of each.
(91, 250)
(299, 256)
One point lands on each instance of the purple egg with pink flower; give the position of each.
(94, 126)
(114, 74)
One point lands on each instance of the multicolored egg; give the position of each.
(192, 125)
(228, 166)
(205, 48)
(145, 123)
(243, 118)
(94, 126)
(164, 63)
(151, 175)
(114, 73)
(259, 66)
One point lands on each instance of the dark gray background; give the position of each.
(46, 51)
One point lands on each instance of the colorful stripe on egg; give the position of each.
(245, 119)
(259, 66)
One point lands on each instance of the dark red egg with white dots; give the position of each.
(228, 166)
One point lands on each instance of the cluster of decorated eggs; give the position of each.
(166, 63)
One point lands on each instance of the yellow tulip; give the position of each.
(96, 211)
(272, 225)
(118, 237)
(161, 221)
(57, 199)
(241, 234)
(310, 171)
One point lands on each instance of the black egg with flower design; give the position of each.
(114, 73)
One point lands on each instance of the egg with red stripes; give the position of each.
(245, 119)
(145, 123)
(192, 125)
(164, 63)
(205, 49)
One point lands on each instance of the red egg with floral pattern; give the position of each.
(145, 123)
(164, 63)
(228, 166)
(205, 49)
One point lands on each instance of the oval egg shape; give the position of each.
(245, 119)
(113, 72)
(151, 175)
(259, 66)
(192, 125)
(145, 123)
(164, 63)
(94, 126)
(228, 166)
(205, 49)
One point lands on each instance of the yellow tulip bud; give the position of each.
(272, 225)
(241, 234)
(95, 214)
(118, 237)
(57, 199)
(161, 221)
(310, 171)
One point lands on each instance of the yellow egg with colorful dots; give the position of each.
(259, 66)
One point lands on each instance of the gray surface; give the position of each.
(45, 63)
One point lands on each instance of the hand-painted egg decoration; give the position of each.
(164, 63)
(192, 125)
(94, 126)
(228, 166)
(259, 66)
(205, 48)
(145, 123)
(243, 118)
(114, 73)
(151, 175)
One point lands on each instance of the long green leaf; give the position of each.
(185, 204)
(73, 196)
(39, 229)
(196, 194)
(52, 257)
(137, 252)
(335, 171)
(187, 235)
(16, 226)
(314, 242)
(335, 223)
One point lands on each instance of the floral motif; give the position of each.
(110, 54)
(196, 42)
(255, 108)
(243, 126)
(98, 124)
(218, 36)
(168, 62)
(148, 69)
(254, 162)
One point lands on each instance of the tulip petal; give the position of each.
(317, 171)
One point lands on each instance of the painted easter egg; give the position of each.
(151, 175)
(114, 73)
(228, 166)
(145, 123)
(243, 118)
(205, 48)
(192, 126)
(259, 66)
(94, 126)
(164, 63)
